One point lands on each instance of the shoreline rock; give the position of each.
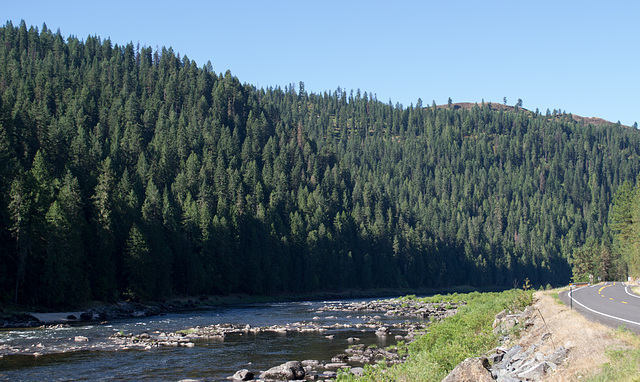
(288, 371)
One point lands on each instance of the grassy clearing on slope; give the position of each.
(448, 342)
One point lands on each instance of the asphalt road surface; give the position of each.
(610, 303)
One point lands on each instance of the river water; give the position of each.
(213, 360)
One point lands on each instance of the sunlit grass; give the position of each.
(624, 360)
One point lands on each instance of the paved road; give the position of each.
(610, 303)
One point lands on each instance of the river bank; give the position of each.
(367, 319)
(212, 344)
(29, 317)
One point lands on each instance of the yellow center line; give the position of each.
(610, 299)
(624, 302)
(601, 288)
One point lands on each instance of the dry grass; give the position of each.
(587, 341)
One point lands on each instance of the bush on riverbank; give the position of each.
(448, 342)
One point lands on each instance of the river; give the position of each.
(213, 360)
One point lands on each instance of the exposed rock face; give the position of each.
(470, 370)
(289, 371)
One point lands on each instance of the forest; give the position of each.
(137, 174)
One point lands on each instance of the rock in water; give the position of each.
(243, 375)
(383, 331)
(291, 370)
(470, 370)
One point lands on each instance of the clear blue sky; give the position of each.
(577, 56)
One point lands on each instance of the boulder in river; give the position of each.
(243, 375)
(383, 331)
(289, 371)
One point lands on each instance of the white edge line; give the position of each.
(626, 289)
(595, 311)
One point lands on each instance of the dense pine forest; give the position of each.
(133, 173)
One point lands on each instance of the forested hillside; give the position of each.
(128, 172)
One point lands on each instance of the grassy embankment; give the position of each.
(448, 342)
(624, 359)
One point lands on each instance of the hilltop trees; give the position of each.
(133, 173)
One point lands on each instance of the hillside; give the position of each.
(557, 114)
(135, 173)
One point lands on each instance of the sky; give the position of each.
(581, 57)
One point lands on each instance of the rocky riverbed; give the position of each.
(355, 356)
(364, 317)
